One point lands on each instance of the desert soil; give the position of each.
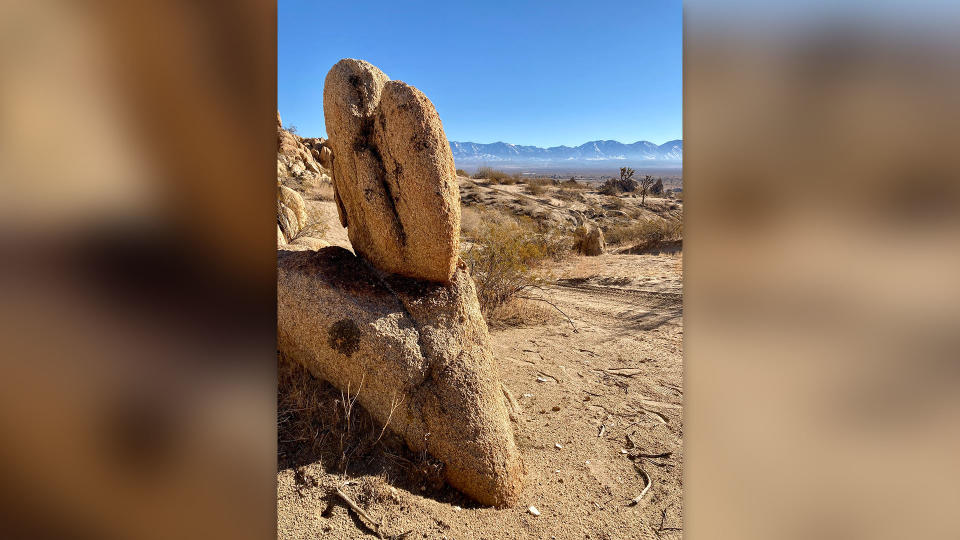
(600, 397)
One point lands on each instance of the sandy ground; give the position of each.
(599, 403)
(600, 390)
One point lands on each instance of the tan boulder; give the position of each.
(394, 177)
(417, 354)
(590, 240)
(325, 157)
(291, 212)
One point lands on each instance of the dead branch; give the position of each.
(569, 320)
(646, 478)
(353, 506)
(656, 456)
(623, 372)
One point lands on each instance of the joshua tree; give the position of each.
(645, 184)
(627, 183)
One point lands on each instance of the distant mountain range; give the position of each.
(589, 153)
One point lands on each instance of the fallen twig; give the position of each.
(603, 430)
(623, 372)
(654, 456)
(359, 511)
(646, 478)
(569, 320)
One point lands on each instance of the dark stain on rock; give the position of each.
(344, 337)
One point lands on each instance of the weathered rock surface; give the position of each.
(419, 349)
(394, 177)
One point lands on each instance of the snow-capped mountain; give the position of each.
(593, 151)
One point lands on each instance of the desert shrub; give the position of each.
(461, 172)
(625, 183)
(501, 258)
(503, 255)
(645, 233)
(573, 184)
(569, 194)
(536, 189)
(316, 226)
(495, 176)
(321, 191)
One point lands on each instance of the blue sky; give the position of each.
(544, 73)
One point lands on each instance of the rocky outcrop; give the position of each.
(416, 352)
(298, 157)
(394, 177)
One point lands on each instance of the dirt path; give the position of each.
(598, 404)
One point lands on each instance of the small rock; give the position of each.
(457, 509)
(533, 510)
(555, 408)
(559, 446)
(528, 395)
(542, 379)
(623, 451)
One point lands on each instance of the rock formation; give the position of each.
(400, 317)
(298, 157)
(589, 240)
(421, 352)
(394, 178)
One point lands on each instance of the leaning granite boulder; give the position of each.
(419, 353)
(393, 174)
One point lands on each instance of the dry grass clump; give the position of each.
(316, 226)
(503, 256)
(520, 312)
(536, 189)
(461, 172)
(322, 192)
(538, 186)
(318, 424)
(573, 184)
(647, 233)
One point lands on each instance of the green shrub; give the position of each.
(503, 255)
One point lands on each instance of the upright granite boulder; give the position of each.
(394, 178)
(401, 313)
